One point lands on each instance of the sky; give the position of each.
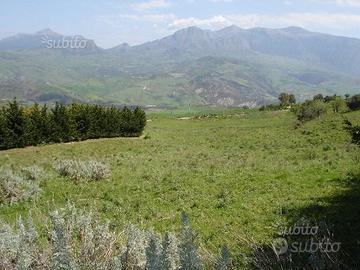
(111, 22)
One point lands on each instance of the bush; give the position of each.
(77, 170)
(338, 105)
(354, 102)
(80, 241)
(354, 132)
(33, 173)
(311, 110)
(15, 188)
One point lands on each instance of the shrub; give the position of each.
(33, 173)
(77, 170)
(354, 132)
(80, 241)
(15, 188)
(338, 105)
(354, 102)
(224, 261)
(189, 257)
(311, 110)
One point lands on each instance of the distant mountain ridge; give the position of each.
(42, 38)
(228, 67)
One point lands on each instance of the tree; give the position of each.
(311, 110)
(318, 97)
(338, 105)
(139, 118)
(15, 125)
(38, 129)
(3, 132)
(81, 117)
(354, 102)
(292, 99)
(61, 125)
(287, 99)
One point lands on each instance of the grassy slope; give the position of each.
(237, 175)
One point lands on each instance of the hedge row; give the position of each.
(24, 126)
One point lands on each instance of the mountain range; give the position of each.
(228, 67)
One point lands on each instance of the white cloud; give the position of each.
(158, 18)
(152, 4)
(213, 22)
(314, 21)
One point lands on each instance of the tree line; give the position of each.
(320, 105)
(25, 126)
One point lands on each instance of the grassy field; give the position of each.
(238, 174)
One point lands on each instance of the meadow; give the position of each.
(238, 174)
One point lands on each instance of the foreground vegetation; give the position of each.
(239, 174)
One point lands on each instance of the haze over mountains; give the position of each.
(229, 67)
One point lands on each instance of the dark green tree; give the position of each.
(3, 132)
(81, 119)
(318, 97)
(38, 125)
(286, 99)
(139, 123)
(354, 132)
(354, 102)
(62, 128)
(15, 125)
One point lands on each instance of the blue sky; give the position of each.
(111, 22)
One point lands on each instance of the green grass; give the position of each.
(237, 175)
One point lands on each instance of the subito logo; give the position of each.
(280, 246)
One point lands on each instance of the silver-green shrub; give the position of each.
(15, 188)
(78, 240)
(77, 170)
(33, 173)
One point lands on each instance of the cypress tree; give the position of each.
(37, 122)
(3, 132)
(81, 119)
(125, 123)
(15, 124)
(44, 124)
(139, 117)
(61, 125)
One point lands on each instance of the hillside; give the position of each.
(229, 67)
(239, 174)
